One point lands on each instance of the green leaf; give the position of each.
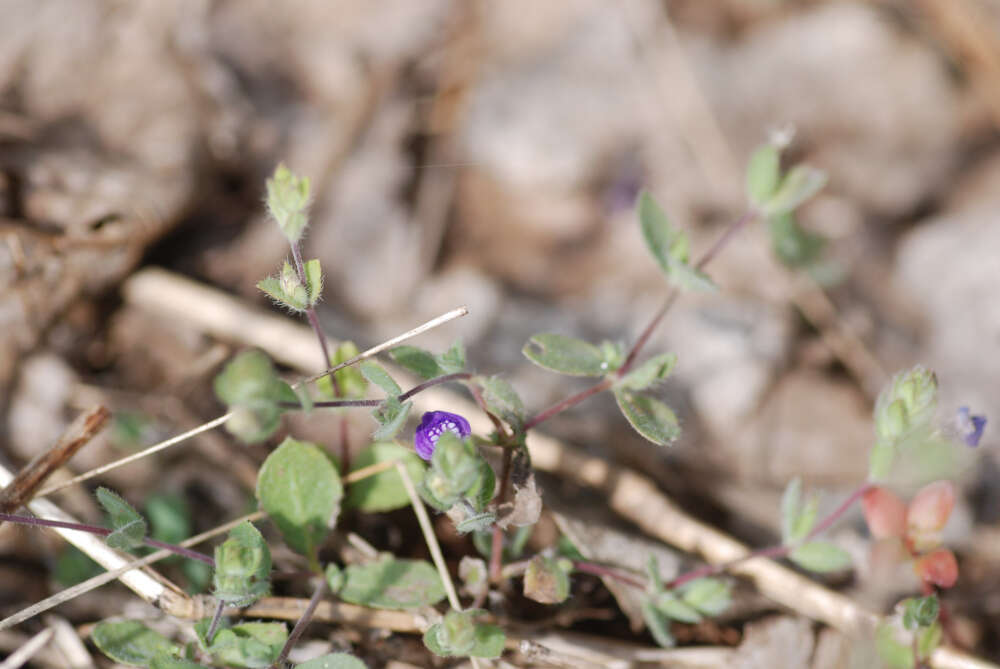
(129, 527)
(294, 299)
(797, 517)
(334, 577)
(333, 661)
(458, 461)
(565, 355)
(763, 172)
(163, 662)
(685, 276)
(800, 183)
(255, 644)
(920, 612)
(821, 557)
(383, 491)
(480, 493)
(928, 639)
(657, 231)
(300, 490)
(250, 387)
(314, 281)
(650, 417)
(452, 361)
(242, 566)
(502, 401)
(658, 624)
(351, 382)
(374, 373)
(169, 517)
(709, 596)
(649, 373)
(390, 583)
(894, 653)
(479, 522)
(417, 360)
(459, 635)
(794, 246)
(391, 415)
(676, 609)
(131, 642)
(547, 580)
(287, 201)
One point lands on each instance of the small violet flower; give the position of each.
(433, 425)
(970, 427)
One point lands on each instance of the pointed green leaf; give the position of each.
(709, 596)
(820, 557)
(417, 360)
(657, 231)
(676, 609)
(314, 281)
(920, 612)
(391, 415)
(287, 201)
(502, 400)
(255, 644)
(129, 527)
(392, 584)
(658, 624)
(300, 490)
(687, 277)
(130, 642)
(374, 373)
(649, 373)
(565, 355)
(797, 518)
(763, 172)
(793, 245)
(452, 361)
(242, 567)
(650, 417)
(479, 522)
(480, 494)
(333, 661)
(383, 491)
(800, 183)
(274, 290)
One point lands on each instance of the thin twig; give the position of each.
(204, 427)
(113, 574)
(216, 619)
(25, 652)
(302, 623)
(428, 531)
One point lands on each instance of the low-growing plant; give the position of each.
(302, 486)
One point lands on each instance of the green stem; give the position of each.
(301, 623)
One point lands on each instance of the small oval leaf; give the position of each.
(300, 490)
(565, 355)
(131, 642)
(392, 584)
(650, 417)
(820, 557)
(383, 491)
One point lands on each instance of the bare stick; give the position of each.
(205, 427)
(113, 574)
(429, 536)
(24, 653)
(19, 491)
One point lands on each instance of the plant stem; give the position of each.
(215, 622)
(333, 404)
(301, 623)
(570, 401)
(496, 547)
(103, 532)
(603, 571)
(776, 551)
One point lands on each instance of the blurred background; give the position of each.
(489, 154)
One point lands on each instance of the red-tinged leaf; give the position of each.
(885, 513)
(930, 508)
(938, 567)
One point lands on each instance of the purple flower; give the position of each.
(970, 427)
(433, 425)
